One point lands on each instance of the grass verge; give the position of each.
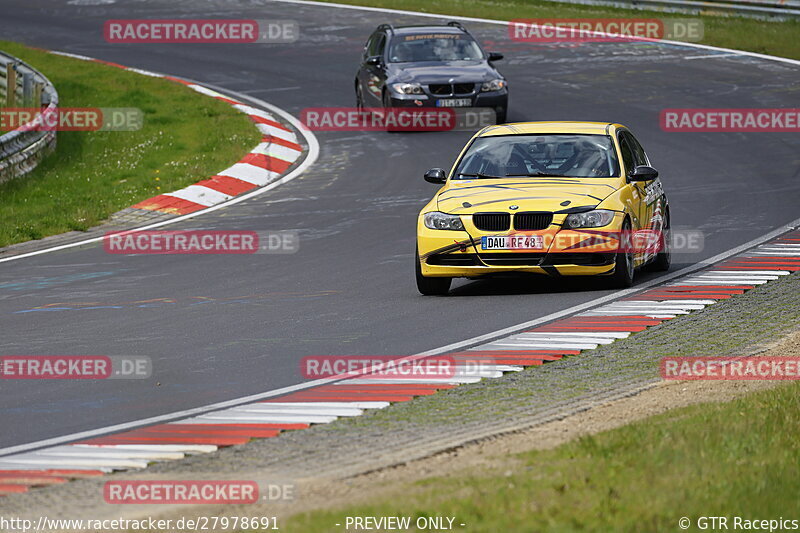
(737, 458)
(186, 137)
(764, 37)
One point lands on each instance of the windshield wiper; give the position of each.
(482, 176)
(541, 175)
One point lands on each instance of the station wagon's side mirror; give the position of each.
(373, 60)
(436, 175)
(495, 56)
(643, 173)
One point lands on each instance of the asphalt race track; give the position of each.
(224, 326)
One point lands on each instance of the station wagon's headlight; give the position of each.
(590, 219)
(437, 220)
(494, 85)
(407, 88)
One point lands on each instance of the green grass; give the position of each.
(186, 137)
(738, 458)
(765, 37)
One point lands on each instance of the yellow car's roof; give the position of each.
(523, 128)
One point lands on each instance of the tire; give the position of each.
(430, 286)
(359, 98)
(387, 104)
(663, 259)
(622, 278)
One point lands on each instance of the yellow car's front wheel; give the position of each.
(430, 286)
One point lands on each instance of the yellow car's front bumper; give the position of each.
(458, 254)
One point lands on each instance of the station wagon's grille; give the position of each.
(448, 89)
(532, 221)
(437, 88)
(492, 221)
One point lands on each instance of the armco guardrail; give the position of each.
(764, 9)
(21, 85)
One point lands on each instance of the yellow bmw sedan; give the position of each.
(555, 198)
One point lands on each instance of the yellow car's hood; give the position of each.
(528, 194)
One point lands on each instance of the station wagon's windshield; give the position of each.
(528, 156)
(434, 47)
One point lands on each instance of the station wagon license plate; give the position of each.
(512, 242)
(454, 102)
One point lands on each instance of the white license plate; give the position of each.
(512, 242)
(454, 102)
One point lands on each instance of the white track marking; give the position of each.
(183, 448)
(266, 418)
(629, 313)
(491, 374)
(542, 337)
(762, 254)
(743, 279)
(323, 403)
(143, 72)
(711, 56)
(740, 273)
(647, 304)
(250, 110)
(78, 56)
(704, 303)
(532, 345)
(580, 334)
(250, 173)
(505, 368)
(759, 272)
(450, 380)
(277, 150)
(727, 283)
(79, 451)
(27, 466)
(200, 194)
(644, 309)
(637, 310)
(306, 408)
(210, 92)
(274, 131)
(70, 462)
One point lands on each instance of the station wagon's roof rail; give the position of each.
(458, 25)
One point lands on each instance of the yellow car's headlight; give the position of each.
(590, 219)
(438, 220)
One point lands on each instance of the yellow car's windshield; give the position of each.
(531, 156)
